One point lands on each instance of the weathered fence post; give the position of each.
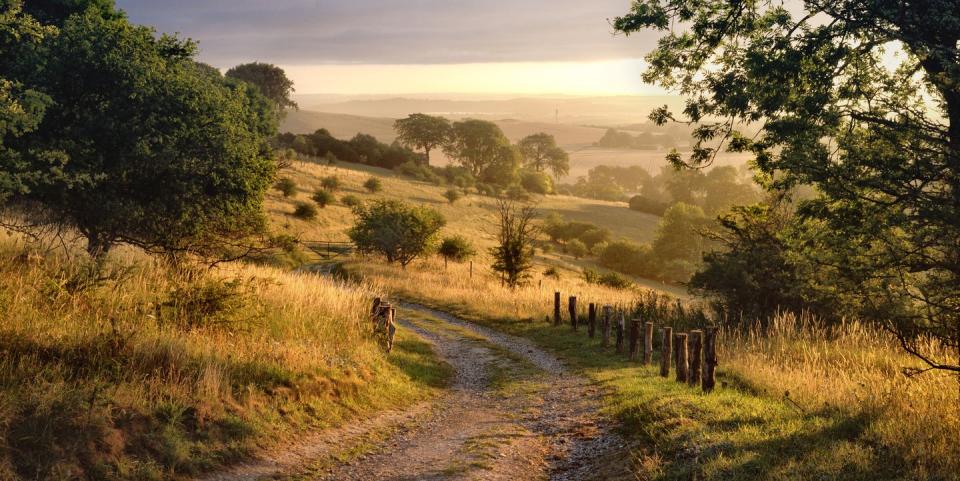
(683, 366)
(709, 358)
(620, 328)
(634, 339)
(573, 312)
(376, 305)
(556, 308)
(648, 343)
(607, 319)
(696, 345)
(591, 320)
(665, 351)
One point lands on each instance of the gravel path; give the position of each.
(513, 412)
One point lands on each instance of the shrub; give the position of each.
(629, 257)
(305, 211)
(286, 186)
(323, 198)
(419, 172)
(536, 182)
(646, 205)
(513, 255)
(331, 183)
(517, 192)
(610, 279)
(452, 195)
(577, 248)
(351, 201)
(594, 236)
(456, 249)
(488, 189)
(373, 185)
(398, 231)
(552, 273)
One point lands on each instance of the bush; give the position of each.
(643, 204)
(331, 183)
(594, 236)
(552, 273)
(456, 249)
(610, 279)
(452, 195)
(373, 185)
(629, 257)
(305, 211)
(398, 231)
(488, 189)
(351, 201)
(323, 198)
(419, 172)
(286, 186)
(536, 182)
(516, 192)
(577, 248)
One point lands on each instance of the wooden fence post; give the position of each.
(648, 343)
(607, 319)
(591, 320)
(620, 328)
(709, 358)
(667, 341)
(376, 305)
(635, 339)
(556, 308)
(680, 346)
(696, 346)
(573, 312)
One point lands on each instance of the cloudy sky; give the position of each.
(411, 46)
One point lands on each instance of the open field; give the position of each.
(150, 373)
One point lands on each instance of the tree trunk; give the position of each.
(98, 245)
(426, 150)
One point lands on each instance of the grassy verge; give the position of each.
(141, 372)
(799, 402)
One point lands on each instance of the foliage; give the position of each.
(679, 234)
(424, 132)
(577, 248)
(361, 149)
(516, 192)
(373, 185)
(323, 198)
(646, 205)
(609, 279)
(330, 182)
(396, 230)
(456, 248)
(306, 210)
(881, 144)
(452, 195)
(595, 189)
(630, 179)
(270, 80)
(516, 233)
(536, 182)
(562, 231)
(419, 172)
(286, 186)
(614, 139)
(552, 273)
(482, 148)
(351, 201)
(540, 152)
(166, 155)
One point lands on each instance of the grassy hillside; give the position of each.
(146, 372)
(472, 216)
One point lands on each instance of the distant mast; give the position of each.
(557, 115)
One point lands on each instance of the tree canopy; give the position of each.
(880, 144)
(482, 148)
(396, 230)
(541, 152)
(424, 132)
(270, 79)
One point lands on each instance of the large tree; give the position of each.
(482, 148)
(161, 153)
(270, 79)
(880, 144)
(424, 132)
(540, 152)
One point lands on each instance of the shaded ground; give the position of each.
(512, 412)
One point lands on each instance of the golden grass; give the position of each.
(109, 382)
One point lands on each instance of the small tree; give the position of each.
(540, 152)
(398, 231)
(513, 255)
(271, 80)
(452, 195)
(331, 183)
(286, 186)
(323, 198)
(373, 185)
(456, 249)
(577, 248)
(305, 211)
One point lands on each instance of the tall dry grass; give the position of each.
(858, 371)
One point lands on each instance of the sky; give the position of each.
(416, 46)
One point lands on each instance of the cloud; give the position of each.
(393, 31)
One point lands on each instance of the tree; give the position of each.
(481, 147)
(373, 185)
(540, 152)
(286, 186)
(882, 145)
(452, 195)
(577, 248)
(271, 80)
(323, 198)
(513, 255)
(456, 248)
(162, 155)
(396, 230)
(424, 132)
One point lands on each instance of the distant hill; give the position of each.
(342, 126)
